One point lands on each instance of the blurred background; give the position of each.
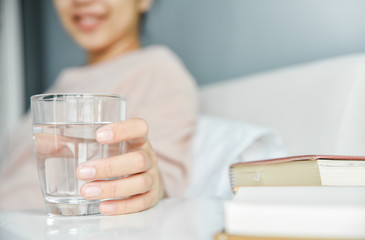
(217, 40)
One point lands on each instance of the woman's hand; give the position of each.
(140, 184)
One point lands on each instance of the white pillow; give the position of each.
(220, 142)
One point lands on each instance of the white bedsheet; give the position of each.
(220, 142)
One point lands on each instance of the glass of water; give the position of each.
(64, 127)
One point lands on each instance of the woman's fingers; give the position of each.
(130, 205)
(121, 165)
(133, 131)
(140, 185)
(135, 203)
(119, 188)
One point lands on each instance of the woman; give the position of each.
(161, 107)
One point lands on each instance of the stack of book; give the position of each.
(302, 197)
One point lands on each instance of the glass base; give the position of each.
(71, 207)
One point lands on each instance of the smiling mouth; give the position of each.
(88, 23)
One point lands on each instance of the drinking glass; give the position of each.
(64, 127)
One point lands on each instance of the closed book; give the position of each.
(296, 212)
(307, 170)
(226, 236)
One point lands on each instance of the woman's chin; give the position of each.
(91, 45)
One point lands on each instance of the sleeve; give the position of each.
(165, 95)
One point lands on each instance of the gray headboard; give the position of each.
(221, 39)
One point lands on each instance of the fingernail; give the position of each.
(105, 135)
(107, 208)
(92, 191)
(87, 172)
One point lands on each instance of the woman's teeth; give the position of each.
(88, 21)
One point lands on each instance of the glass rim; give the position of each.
(64, 96)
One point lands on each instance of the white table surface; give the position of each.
(171, 219)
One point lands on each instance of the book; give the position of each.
(226, 236)
(292, 212)
(306, 170)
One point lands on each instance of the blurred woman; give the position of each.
(161, 113)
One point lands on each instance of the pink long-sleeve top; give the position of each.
(158, 89)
